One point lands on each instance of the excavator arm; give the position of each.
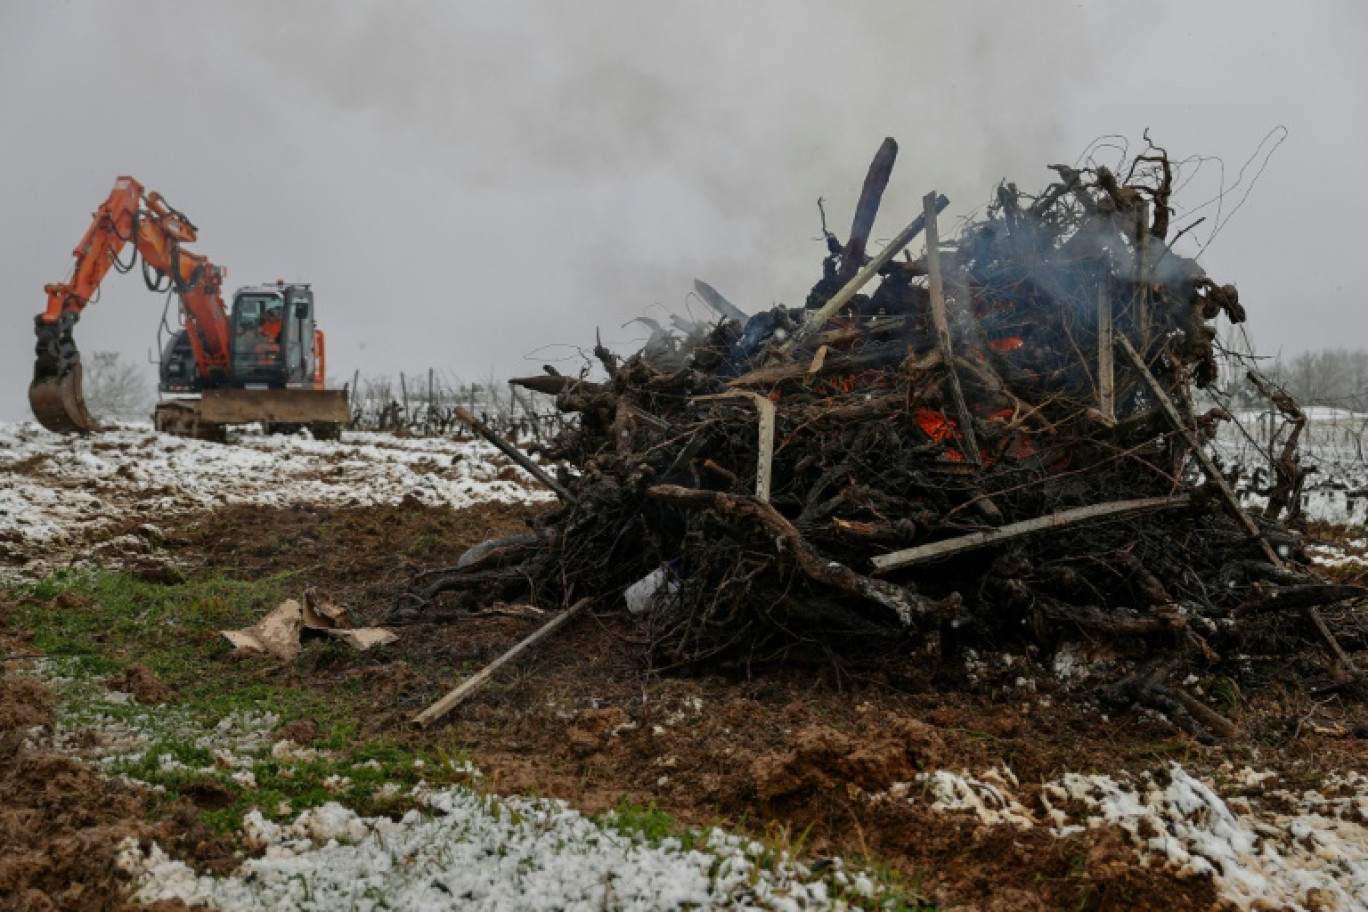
(157, 232)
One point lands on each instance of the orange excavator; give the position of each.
(261, 362)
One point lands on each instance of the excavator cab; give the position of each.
(273, 331)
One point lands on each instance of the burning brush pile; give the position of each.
(993, 444)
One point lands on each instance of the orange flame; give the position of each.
(1007, 344)
(940, 428)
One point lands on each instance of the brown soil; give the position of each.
(28, 466)
(791, 754)
(61, 822)
(300, 731)
(798, 754)
(144, 686)
(356, 557)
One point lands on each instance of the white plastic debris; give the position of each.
(647, 593)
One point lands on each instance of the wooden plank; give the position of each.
(943, 342)
(764, 466)
(935, 550)
(471, 685)
(714, 299)
(1142, 272)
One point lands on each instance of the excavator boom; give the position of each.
(157, 232)
(55, 393)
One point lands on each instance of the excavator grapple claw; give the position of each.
(58, 405)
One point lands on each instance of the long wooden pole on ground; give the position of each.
(471, 685)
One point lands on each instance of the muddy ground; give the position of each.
(801, 754)
(62, 823)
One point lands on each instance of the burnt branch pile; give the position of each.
(990, 443)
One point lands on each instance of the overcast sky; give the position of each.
(474, 187)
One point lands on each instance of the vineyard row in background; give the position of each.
(424, 404)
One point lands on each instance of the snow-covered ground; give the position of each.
(57, 490)
(1333, 449)
(1267, 845)
(474, 852)
(466, 850)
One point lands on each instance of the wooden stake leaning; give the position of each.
(513, 453)
(1106, 372)
(947, 351)
(1344, 666)
(876, 181)
(471, 685)
(818, 318)
(1142, 269)
(764, 464)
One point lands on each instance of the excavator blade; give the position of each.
(58, 405)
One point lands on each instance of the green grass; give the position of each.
(654, 825)
(98, 623)
(648, 822)
(104, 622)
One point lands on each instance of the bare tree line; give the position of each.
(1329, 385)
(1328, 377)
(1328, 427)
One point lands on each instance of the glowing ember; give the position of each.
(1009, 344)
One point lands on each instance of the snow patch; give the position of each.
(1264, 849)
(59, 490)
(473, 852)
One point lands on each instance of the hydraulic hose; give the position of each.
(123, 268)
(159, 284)
(183, 287)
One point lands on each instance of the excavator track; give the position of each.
(58, 405)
